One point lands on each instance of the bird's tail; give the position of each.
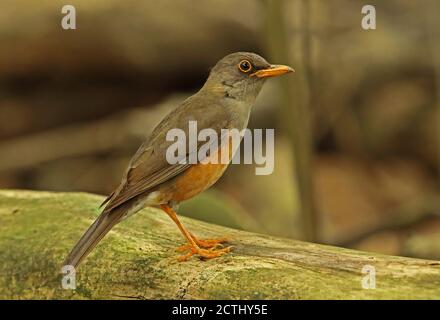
(91, 237)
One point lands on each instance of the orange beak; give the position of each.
(273, 71)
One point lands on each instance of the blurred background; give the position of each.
(357, 154)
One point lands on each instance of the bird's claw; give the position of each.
(204, 253)
(205, 244)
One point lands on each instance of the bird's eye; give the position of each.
(245, 66)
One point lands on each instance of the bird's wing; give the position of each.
(149, 167)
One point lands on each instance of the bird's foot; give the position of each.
(214, 252)
(205, 243)
(205, 249)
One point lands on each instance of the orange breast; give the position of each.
(199, 177)
(196, 179)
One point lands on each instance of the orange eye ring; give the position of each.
(245, 66)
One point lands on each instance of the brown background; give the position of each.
(357, 127)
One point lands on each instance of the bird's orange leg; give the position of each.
(193, 243)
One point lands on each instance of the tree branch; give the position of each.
(137, 259)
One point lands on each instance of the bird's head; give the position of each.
(241, 75)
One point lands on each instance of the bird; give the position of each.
(224, 102)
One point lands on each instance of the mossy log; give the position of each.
(137, 259)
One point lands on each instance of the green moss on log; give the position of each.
(137, 259)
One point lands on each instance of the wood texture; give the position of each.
(137, 259)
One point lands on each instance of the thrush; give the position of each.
(224, 102)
